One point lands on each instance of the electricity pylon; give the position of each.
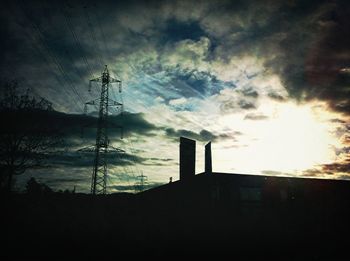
(102, 147)
(139, 186)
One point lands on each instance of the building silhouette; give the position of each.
(242, 193)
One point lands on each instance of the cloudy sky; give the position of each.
(266, 81)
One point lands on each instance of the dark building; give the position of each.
(254, 216)
(207, 160)
(242, 191)
(187, 158)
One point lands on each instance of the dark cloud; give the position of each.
(234, 105)
(227, 107)
(255, 117)
(230, 135)
(84, 126)
(135, 123)
(71, 126)
(207, 135)
(303, 42)
(67, 179)
(276, 96)
(85, 159)
(311, 173)
(337, 121)
(250, 92)
(157, 162)
(41, 47)
(274, 173)
(344, 150)
(175, 30)
(247, 105)
(79, 129)
(345, 177)
(203, 135)
(347, 139)
(334, 168)
(314, 50)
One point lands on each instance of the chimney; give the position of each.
(208, 165)
(187, 158)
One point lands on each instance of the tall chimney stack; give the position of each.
(187, 158)
(208, 162)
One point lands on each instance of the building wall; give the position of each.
(252, 194)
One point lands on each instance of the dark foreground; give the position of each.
(59, 226)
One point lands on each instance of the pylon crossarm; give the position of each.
(114, 103)
(93, 102)
(98, 79)
(115, 150)
(88, 149)
(112, 80)
(92, 149)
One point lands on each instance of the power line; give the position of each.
(104, 39)
(105, 42)
(92, 31)
(51, 54)
(69, 26)
(40, 38)
(76, 39)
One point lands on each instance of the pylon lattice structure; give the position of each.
(102, 147)
(140, 185)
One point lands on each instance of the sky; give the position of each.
(266, 81)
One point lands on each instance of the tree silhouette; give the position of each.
(35, 188)
(27, 134)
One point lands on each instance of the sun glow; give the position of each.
(291, 139)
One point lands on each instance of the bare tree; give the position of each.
(27, 132)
